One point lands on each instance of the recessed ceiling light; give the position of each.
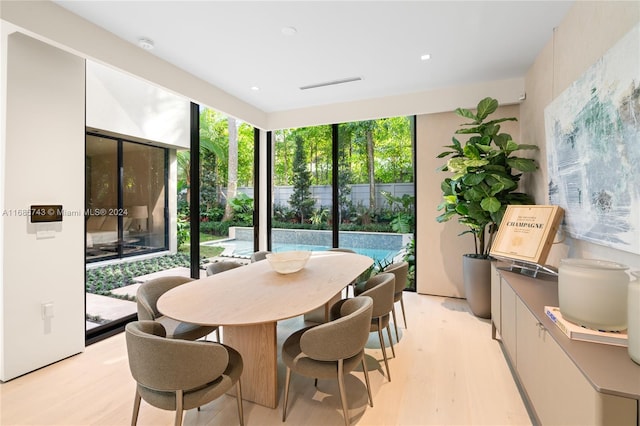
(425, 57)
(255, 88)
(288, 31)
(145, 43)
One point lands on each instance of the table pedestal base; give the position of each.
(258, 346)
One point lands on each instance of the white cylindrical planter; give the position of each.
(633, 312)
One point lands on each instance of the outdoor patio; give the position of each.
(112, 308)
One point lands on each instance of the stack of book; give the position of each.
(577, 332)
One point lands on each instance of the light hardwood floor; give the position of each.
(447, 371)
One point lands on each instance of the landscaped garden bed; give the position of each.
(102, 279)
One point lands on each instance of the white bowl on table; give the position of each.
(288, 262)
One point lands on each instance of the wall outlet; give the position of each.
(47, 310)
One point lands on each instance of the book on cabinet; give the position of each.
(577, 332)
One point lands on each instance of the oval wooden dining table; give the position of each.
(250, 300)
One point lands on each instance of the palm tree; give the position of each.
(232, 170)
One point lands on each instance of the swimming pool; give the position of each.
(244, 249)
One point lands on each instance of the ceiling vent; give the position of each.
(331, 83)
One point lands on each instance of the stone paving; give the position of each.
(111, 308)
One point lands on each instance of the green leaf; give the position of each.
(445, 153)
(468, 130)
(463, 112)
(485, 107)
(457, 164)
(470, 151)
(490, 204)
(485, 140)
(475, 162)
(511, 146)
(491, 129)
(450, 199)
(485, 148)
(462, 209)
(498, 187)
(456, 144)
(445, 186)
(522, 164)
(503, 179)
(475, 193)
(500, 120)
(445, 217)
(501, 139)
(473, 179)
(480, 216)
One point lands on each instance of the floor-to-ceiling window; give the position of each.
(126, 213)
(366, 169)
(302, 189)
(226, 188)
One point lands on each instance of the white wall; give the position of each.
(43, 164)
(44, 152)
(588, 31)
(586, 34)
(49, 22)
(131, 107)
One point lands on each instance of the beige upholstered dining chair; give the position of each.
(331, 350)
(259, 255)
(401, 271)
(147, 301)
(217, 267)
(380, 288)
(178, 374)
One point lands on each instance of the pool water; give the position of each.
(244, 249)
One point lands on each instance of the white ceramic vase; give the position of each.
(593, 293)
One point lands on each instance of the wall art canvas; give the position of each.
(593, 146)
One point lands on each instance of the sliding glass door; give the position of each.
(126, 200)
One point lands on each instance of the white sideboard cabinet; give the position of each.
(565, 382)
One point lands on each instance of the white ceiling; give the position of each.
(236, 45)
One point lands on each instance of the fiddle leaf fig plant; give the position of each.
(485, 175)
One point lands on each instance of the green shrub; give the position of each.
(103, 279)
(183, 230)
(220, 229)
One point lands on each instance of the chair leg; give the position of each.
(179, 405)
(343, 394)
(287, 380)
(395, 322)
(393, 351)
(239, 398)
(384, 350)
(136, 408)
(366, 379)
(403, 315)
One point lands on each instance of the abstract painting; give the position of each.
(593, 149)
